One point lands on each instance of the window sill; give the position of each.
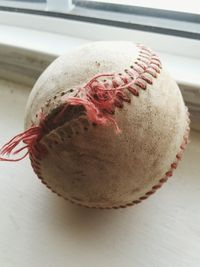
(25, 53)
(54, 44)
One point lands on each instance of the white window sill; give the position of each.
(184, 69)
(44, 38)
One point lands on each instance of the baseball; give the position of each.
(105, 125)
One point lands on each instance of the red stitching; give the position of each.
(141, 84)
(152, 72)
(146, 79)
(133, 90)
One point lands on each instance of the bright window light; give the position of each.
(192, 6)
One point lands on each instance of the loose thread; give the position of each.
(28, 137)
(99, 100)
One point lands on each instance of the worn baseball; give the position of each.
(113, 125)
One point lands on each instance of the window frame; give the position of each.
(159, 21)
(87, 26)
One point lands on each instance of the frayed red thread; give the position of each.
(28, 138)
(101, 98)
(93, 112)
